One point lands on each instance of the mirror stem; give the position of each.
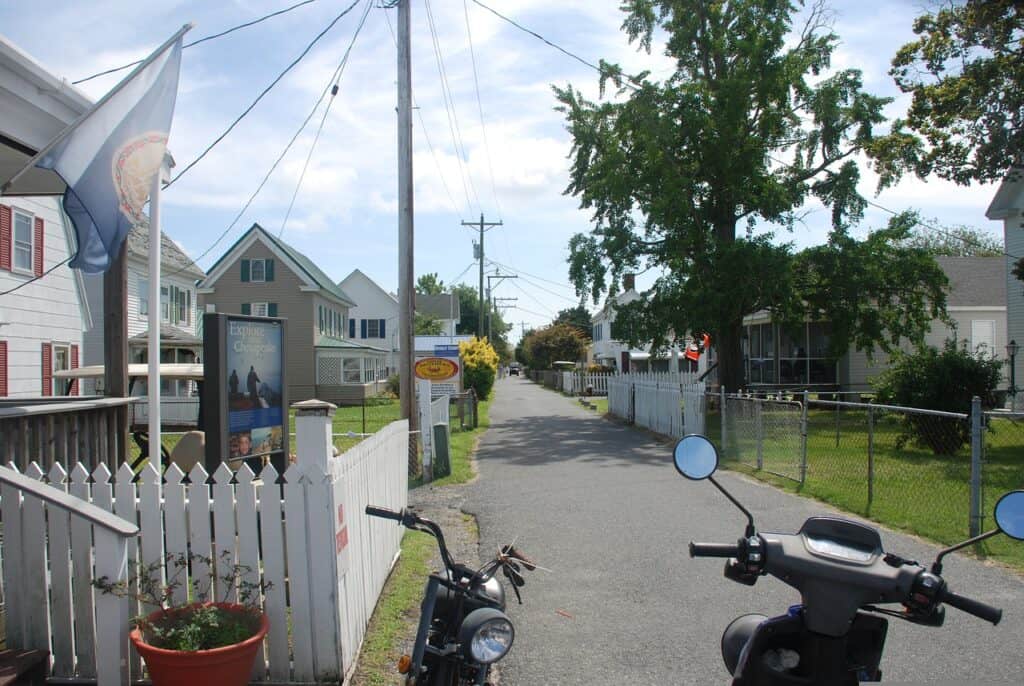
(937, 565)
(750, 518)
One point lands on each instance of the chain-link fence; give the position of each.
(764, 434)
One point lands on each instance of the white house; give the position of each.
(374, 319)
(180, 334)
(41, 323)
(1008, 207)
(606, 349)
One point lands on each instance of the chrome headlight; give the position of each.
(486, 635)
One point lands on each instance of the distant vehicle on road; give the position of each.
(514, 369)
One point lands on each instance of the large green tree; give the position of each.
(579, 317)
(469, 308)
(430, 284)
(743, 133)
(558, 342)
(965, 73)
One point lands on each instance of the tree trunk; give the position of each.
(730, 356)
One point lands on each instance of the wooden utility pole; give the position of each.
(481, 224)
(406, 384)
(115, 340)
(490, 297)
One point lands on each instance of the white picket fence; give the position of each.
(304, 532)
(667, 403)
(579, 383)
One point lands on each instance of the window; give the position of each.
(320, 309)
(373, 328)
(61, 361)
(143, 297)
(165, 308)
(351, 370)
(983, 335)
(23, 234)
(259, 309)
(258, 271)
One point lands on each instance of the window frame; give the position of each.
(373, 328)
(143, 285)
(31, 218)
(56, 384)
(254, 308)
(252, 271)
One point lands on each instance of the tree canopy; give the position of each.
(469, 307)
(965, 73)
(579, 317)
(952, 241)
(543, 347)
(746, 130)
(429, 284)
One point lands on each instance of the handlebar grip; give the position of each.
(973, 607)
(383, 512)
(714, 549)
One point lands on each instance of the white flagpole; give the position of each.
(155, 305)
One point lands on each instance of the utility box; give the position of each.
(442, 451)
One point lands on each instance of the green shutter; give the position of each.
(245, 271)
(272, 310)
(381, 331)
(268, 270)
(246, 308)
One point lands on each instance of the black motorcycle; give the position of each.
(463, 628)
(835, 636)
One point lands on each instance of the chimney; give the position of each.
(629, 282)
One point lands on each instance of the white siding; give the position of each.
(1013, 233)
(373, 303)
(47, 310)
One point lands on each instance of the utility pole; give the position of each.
(406, 385)
(490, 299)
(481, 224)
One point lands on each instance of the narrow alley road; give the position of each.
(602, 506)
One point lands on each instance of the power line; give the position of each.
(453, 119)
(535, 314)
(323, 120)
(539, 278)
(532, 297)
(36, 278)
(423, 129)
(262, 94)
(463, 273)
(480, 108)
(201, 40)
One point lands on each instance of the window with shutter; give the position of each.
(24, 235)
(3, 369)
(351, 328)
(268, 270)
(74, 365)
(259, 309)
(372, 328)
(257, 271)
(271, 309)
(246, 308)
(6, 217)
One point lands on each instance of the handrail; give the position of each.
(58, 406)
(77, 506)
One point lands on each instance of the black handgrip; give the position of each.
(383, 512)
(714, 550)
(973, 607)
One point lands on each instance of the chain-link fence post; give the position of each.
(760, 433)
(975, 523)
(803, 438)
(871, 453)
(724, 422)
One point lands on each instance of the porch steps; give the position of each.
(23, 667)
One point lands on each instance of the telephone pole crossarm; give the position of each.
(481, 225)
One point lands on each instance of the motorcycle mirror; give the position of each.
(1009, 514)
(696, 457)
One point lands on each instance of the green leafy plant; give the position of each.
(198, 624)
(945, 380)
(480, 366)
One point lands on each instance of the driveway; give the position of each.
(602, 506)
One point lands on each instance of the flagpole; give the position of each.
(155, 313)
(113, 91)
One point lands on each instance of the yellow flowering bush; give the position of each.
(479, 366)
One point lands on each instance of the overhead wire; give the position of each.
(36, 278)
(531, 296)
(539, 278)
(423, 129)
(266, 177)
(334, 91)
(463, 273)
(202, 40)
(480, 108)
(453, 119)
(263, 93)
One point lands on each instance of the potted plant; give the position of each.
(203, 641)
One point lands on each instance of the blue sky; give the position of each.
(344, 216)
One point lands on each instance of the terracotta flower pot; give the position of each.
(227, 666)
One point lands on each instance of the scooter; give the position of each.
(463, 628)
(835, 637)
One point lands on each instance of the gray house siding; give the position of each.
(298, 307)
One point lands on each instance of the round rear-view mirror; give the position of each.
(696, 457)
(1010, 514)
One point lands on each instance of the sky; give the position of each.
(510, 164)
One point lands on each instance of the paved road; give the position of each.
(602, 506)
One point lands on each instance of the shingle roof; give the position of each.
(442, 306)
(170, 334)
(170, 254)
(975, 281)
(345, 343)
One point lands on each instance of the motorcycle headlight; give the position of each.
(486, 635)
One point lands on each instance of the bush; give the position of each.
(479, 366)
(392, 385)
(943, 380)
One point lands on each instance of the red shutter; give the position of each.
(3, 369)
(74, 365)
(47, 369)
(5, 237)
(37, 261)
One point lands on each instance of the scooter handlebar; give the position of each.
(384, 513)
(973, 607)
(714, 549)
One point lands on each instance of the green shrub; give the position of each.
(479, 366)
(392, 385)
(943, 380)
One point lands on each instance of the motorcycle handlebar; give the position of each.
(383, 513)
(714, 549)
(973, 607)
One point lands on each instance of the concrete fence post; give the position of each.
(976, 515)
(314, 443)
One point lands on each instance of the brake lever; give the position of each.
(513, 552)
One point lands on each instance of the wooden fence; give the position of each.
(669, 404)
(303, 531)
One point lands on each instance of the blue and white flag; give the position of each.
(108, 160)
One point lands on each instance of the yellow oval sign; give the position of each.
(436, 369)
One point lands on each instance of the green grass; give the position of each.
(600, 405)
(914, 489)
(463, 445)
(393, 614)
